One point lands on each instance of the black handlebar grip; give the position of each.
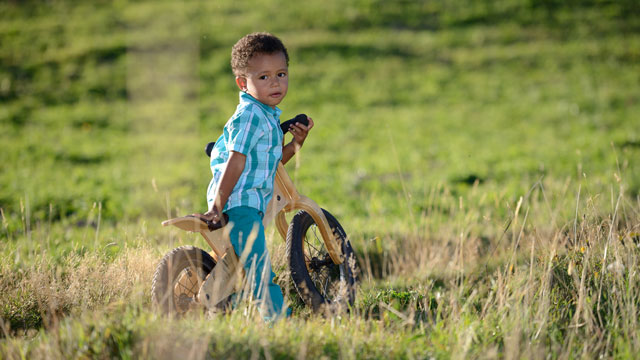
(209, 148)
(300, 118)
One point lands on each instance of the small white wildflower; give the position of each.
(616, 267)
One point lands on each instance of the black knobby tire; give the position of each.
(319, 281)
(180, 265)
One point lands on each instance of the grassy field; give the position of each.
(481, 155)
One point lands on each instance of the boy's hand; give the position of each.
(213, 219)
(212, 215)
(300, 131)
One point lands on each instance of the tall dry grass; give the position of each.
(544, 284)
(550, 274)
(45, 291)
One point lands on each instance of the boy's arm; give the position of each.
(300, 133)
(230, 176)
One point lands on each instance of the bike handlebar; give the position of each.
(209, 148)
(300, 118)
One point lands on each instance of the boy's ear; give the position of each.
(241, 82)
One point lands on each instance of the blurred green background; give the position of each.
(107, 104)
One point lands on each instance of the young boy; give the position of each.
(245, 158)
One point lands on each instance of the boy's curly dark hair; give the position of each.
(251, 44)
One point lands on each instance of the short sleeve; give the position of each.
(243, 132)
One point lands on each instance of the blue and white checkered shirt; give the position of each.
(253, 130)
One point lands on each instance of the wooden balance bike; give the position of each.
(320, 257)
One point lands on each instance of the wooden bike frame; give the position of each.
(285, 199)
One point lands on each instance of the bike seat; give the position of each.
(194, 223)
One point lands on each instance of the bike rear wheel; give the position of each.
(318, 281)
(178, 278)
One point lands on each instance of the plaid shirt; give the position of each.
(253, 130)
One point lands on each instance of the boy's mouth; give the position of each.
(276, 94)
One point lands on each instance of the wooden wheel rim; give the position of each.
(185, 290)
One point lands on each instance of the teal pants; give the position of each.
(248, 240)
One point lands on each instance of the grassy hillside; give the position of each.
(482, 157)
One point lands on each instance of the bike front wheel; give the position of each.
(318, 281)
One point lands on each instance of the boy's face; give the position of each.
(266, 78)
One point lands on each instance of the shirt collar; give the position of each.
(246, 98)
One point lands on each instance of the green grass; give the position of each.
(480, 155)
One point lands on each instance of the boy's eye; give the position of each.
(263, 77)
(282, 74)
